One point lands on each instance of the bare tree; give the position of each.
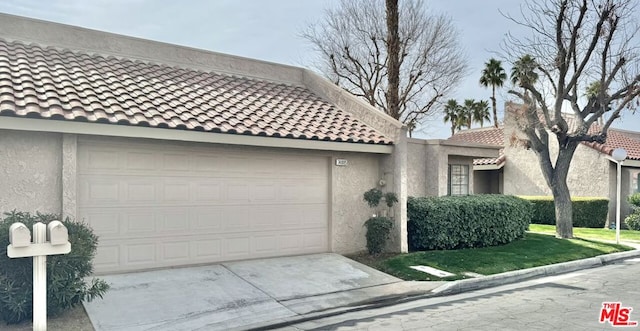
(353, 46)
(582, 56)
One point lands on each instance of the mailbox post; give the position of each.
(51, 239)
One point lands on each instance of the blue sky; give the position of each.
(269, 30)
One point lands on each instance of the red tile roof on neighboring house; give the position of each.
(486, 136)
(494, 136)
(51, 83)
(618, 139)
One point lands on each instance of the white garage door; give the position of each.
(157, 205)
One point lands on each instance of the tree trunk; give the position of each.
(560, 190)
(495, 109)
(564, 209)
(393, 71)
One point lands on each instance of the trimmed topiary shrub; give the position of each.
(466, 221)
(587, 212)
(378, 230)
(67, 286)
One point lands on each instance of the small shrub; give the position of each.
(67, 286)
(633, 221)
(634, 202)
(466, 221)
(587, 212)
(373, 197)
(390, 199)
(378, 230)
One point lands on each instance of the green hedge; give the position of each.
(466, 221)
(587, 212)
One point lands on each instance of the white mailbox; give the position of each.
(57, 233)
(19, 235)
(51, 239)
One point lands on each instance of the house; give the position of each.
(517, 171)
(179, 156)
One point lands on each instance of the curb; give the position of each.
(454, 287)
(524, 274)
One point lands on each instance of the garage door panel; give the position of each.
(139, 160)
(106, 223)
(314, 239)
(107, 256)
(207, 219)
(175, 162)
(136, 254)
(141, 223)
(175, 251)
(209, 249)
(140, 253)
(163, 206)
(208, 190)
(101, 159)
(174, 191)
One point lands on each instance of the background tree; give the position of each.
(573, 43)
(452, 114)
(493, 75)
(481, 112)
(523, 72)
(353, 45)
(393, 67)
(468, 107)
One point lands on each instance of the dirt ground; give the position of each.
(73, 320)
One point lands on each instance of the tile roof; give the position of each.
(50, 83)
(486, 136)
(494, 136)
(619, 139)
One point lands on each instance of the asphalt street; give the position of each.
(571, 301)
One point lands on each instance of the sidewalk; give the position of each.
(385, 295)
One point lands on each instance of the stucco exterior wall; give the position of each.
(349, 210)
(626, 189)
(417, 165)
(30, 171)
(589, 173)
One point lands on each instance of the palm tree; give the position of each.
(466, 117)
(481, 112)
(452, 112)
(493, 75)
(523, 72)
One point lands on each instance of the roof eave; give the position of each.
(115, 130)
(494, 166)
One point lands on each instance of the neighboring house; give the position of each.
(444, 167)
(517, 171)
(488, 172)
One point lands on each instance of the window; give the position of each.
(458, 179)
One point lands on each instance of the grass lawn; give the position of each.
(592, 234)
(531, 251)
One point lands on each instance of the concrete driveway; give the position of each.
(232, 295)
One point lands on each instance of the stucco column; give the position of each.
(400, 187)
(69, 175)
